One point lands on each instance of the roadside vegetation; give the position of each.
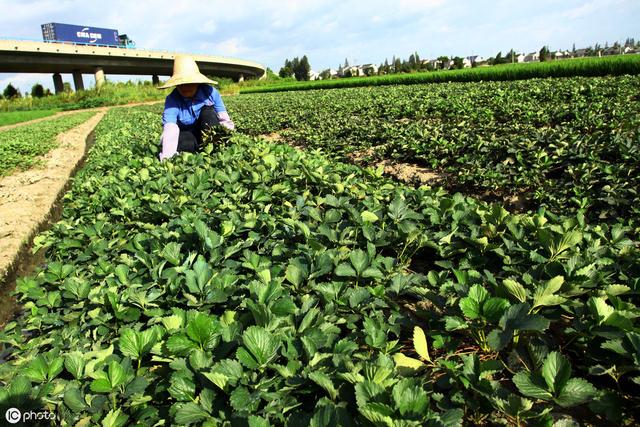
(108, 94)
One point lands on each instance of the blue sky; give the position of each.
(328, 31)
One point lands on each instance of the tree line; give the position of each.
(298, 68)
(37, 91)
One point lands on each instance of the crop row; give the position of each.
(21, 147)
(585, 67)
(9, 118)
(261, 284)
(571, 145)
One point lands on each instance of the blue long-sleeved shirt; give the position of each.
(181, 113)
(185, 111)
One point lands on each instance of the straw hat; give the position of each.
(185, 71)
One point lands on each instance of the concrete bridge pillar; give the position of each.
(57, 83)
(77, 81)
(240, 78)
(99, 75)
(155, 80)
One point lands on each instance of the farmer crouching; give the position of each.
(191, 108)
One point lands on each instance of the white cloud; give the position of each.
(208, 27)
(414, 6)
(230, 47)
(591, 7)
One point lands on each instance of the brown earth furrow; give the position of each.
(27, 200)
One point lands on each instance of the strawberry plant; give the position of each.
(257, 284)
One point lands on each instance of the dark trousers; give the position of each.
(191, 139)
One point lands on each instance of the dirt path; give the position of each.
(27, 199)
(65, 113)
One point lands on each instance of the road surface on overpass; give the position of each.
(18, 56)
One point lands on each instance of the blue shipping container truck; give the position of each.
(80, 34)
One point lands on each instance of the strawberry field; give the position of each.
(572, 145)
(260, 284)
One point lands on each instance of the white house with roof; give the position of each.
(532, 57)
(480, 61)
(369, 69)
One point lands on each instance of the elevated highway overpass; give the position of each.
(17, 56)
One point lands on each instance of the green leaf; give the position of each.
(527, 386)
(545, 295)
(246, 358)
(471, 305)
(74, 363)
(117, 375)
(115, 418)
(600, 309)
(217, 378)
(44, 368)
(367, 392)
(199, 277)
(372, 273)
(454, 323)
(515, 289)
(494, 308)
(615, 290)
(556, 371)
(345, 270)
(410, 398)
(360, 260)
(243, 401)
(180, 345)
(101, 385)
(182, 388)
(204, 331)
(228, 371)
(264, 276)
(295, 273)
(172, 323)
(499, 339)
(575, 392)
(262, 345)
(136, 344)
(325, 382)
(368, 216)
(74, 400)
(18, 391)
(122, 273)
(190, 413)
(470, 308)
(255, 421)
(517, 317)
(171, 252)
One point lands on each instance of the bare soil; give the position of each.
(27, 199)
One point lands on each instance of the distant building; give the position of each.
(532, 57)
(579, 53)
(368, 69)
